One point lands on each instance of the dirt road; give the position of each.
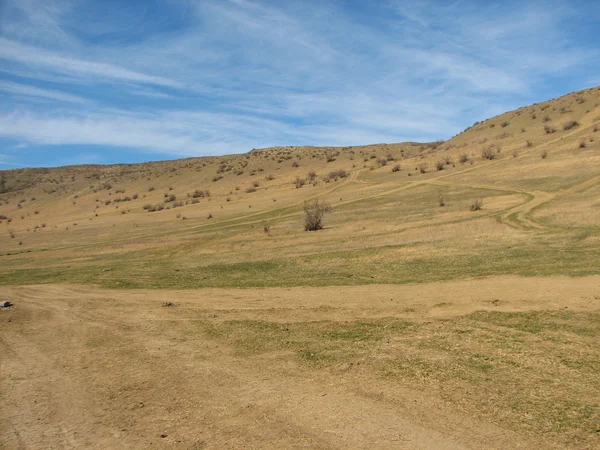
(82, 367)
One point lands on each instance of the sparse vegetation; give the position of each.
(476, 204)
(314, 214)
(570, 125)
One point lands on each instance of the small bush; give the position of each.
(250, 189)
(314, 213)
(199, 193)
(441, 199)
(544, 154)
(476, 204)
(382, 162)
(299, 182)
(529, 143)
(396, 168)
(515, 154)
(504, 124)
(295, 164)
(570, 124)
(549, 129)
(488, 153)
(255, 183)
(267, 228)
(582, 144)
(440, 165)
(312, 175)
(422, 167)
(340, 173)
(463, 158)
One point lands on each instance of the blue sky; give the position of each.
(128, 81)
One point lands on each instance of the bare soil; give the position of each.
(84, 367)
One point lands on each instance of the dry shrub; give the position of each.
(463, 158)
(299, 182)
(340, 173)
(570, 124)
(488, 153)
(476, 204)
(549, 129)
(396, 168)
(314, 213)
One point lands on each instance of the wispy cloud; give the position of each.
(19, 89)
(80, 68)
(208, 77)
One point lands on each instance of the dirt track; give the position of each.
(83, 367)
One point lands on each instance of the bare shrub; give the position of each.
(255, 183)
(570, 124)
(440, 165)
(295, 164)
(582, 144)
(476, 204)
(441, 199)
(340, 173)
(463, 158)
(267, 228)
(544, 154)
(549, 129)
(529, 143)
(314, 213)
(299, 182)
(488, 153)
(422, 167)
(515, 154)
(250, 189)
(504, 124)
(396, 168)
(382, 161)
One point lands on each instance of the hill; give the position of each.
(450, 301)
(535, 169)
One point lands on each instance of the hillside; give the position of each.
(538, 183)
(450, 302)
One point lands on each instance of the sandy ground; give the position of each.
(82, 367)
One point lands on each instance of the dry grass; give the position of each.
(533, 373)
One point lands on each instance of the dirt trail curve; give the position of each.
(82, 367)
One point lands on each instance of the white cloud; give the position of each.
(243, 74)
(32, 91)
(39, 58)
